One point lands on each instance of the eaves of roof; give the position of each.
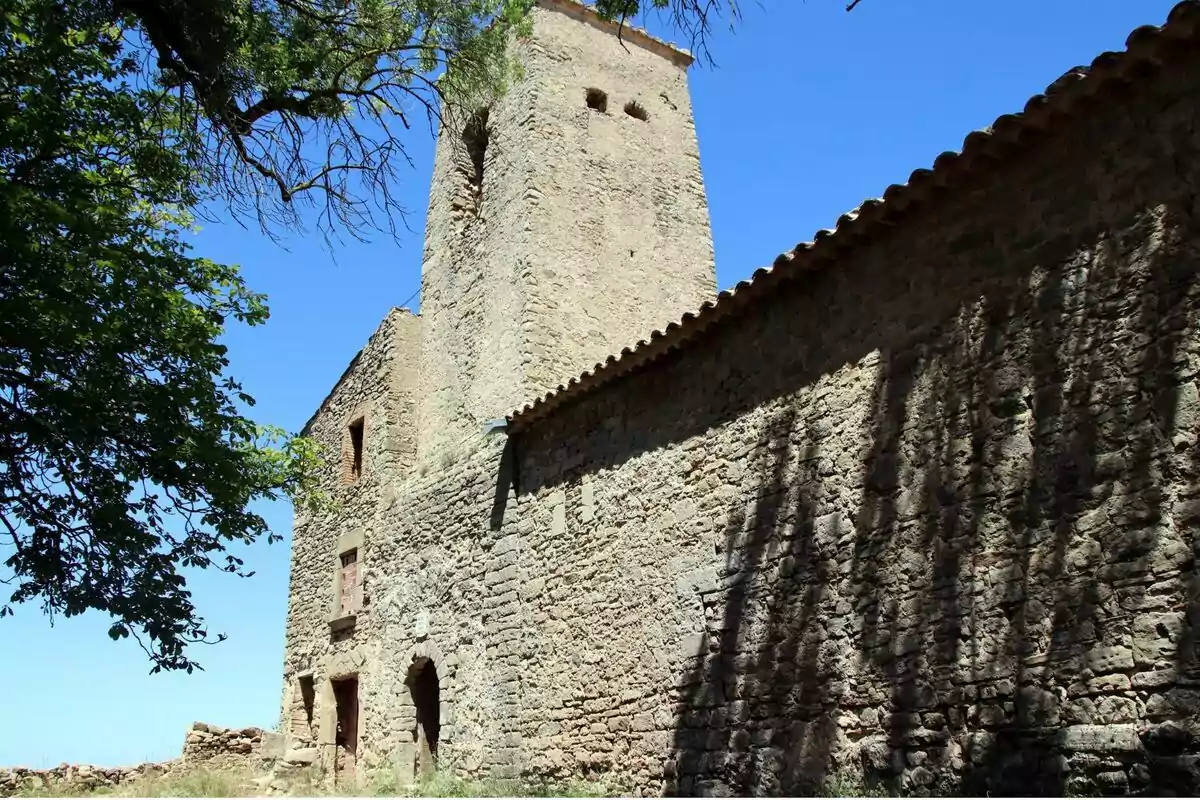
(982, 150)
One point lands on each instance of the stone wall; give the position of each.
(212, 747)
(512, 298)
(928, 512)
(931, 509)
(207, 748)
(378, 388)
(74, 778)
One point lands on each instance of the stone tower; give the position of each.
(566, 222)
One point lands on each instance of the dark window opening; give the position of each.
(345, 698)
(475, 141)
(308, 693)
(302, 709)
(633, 109)
(475, 137)
(426, 699)
(356, 448)
(597, 100)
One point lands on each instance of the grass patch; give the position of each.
(849, 783)
(199, 783)
(190, 784)
(383, 783)
(35, 787)
(379, 783)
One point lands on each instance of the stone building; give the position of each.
(919, 501)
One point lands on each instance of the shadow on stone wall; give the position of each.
(771, 600)
(963, 558)
(1004, 600)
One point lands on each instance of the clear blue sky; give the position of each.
(809, 111)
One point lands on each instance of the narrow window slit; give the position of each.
(349, 582)
(475, 139)
(356, 448)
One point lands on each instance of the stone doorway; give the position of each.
(426, 699)
(345, 755)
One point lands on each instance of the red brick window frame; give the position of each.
(347, 595)
(349, 582)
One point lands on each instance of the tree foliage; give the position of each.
(694, 19)
(303, 104)
(124, 458)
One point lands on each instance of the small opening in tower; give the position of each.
(597, 100)
(356, 448)
(633, 109)
(475, 137)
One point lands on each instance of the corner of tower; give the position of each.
(624, 32)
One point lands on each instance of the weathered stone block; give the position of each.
(1100, 739)
(1103, 660)
(303, 755)
(272, 745)
(1156, 638)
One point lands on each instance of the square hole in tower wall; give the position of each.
(635, 110)
(596, 100)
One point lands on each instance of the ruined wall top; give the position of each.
(627, 33)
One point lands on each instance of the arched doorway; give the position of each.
(423, 688)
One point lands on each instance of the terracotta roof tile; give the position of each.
(1144, 47)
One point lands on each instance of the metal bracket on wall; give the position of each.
(495, 426)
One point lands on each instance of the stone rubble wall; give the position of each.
(442, 591)
(212, 747)
(927, 515)
(506, 307)
(242, 751)
(75, 778)
(378, 385)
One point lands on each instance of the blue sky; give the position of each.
(808, 111)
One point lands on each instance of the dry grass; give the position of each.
(377, 784)
(199, 783)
